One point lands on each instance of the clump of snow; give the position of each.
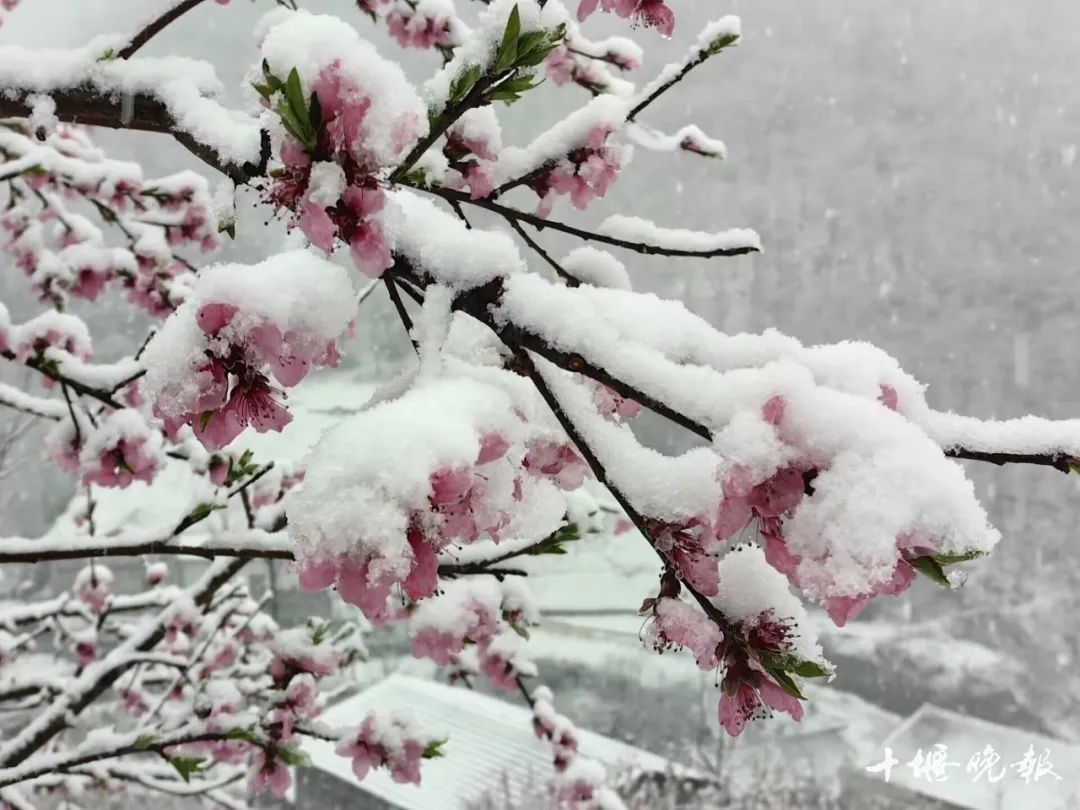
(597, 267)
(395, 116)
(636, 229)
(439, 244)
(749, 586)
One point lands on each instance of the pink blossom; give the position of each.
(268, 774)
(438, 645)
(413, 29)
(742, 700)
(558, 461)
(89, 283)
(317, 226)
(842, 609)
(699, 569)
(84, 652)
(559, 66)
(651, 13)
(778, 495)
(252, 404)
(218, 470)
(677, 624)
(125, 462)
(316, 574)
(737, 705)
(380, 742)
(357, 586)
(93, 587)
(423, 578)
(888, 397)
(493, 446)
(214, 317)
(613, 406)
(585, 174)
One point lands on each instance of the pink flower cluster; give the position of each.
(557, 461)
(333, 190)
(470, 155)
(64, 255)
(416, 25)
(462, 507)
(679, 625)
(747, 693)
(568, 64)
(771, 501)
(93, 587)
(585, 174)
(650, 13)
(295, 652)
(49, 330)
(389, 742)
(122, 450)
(232, 390)
(269, 773)
(747, 686)
(556, 728)
(475, 615)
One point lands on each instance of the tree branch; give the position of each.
(138, 111)
(156, 26)
(540, 224)
(99, 677)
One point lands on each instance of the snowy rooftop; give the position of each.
(489, 740)
(966, 736)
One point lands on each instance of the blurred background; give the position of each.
(912, 169)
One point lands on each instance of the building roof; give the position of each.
(966, 736)
(490, 744)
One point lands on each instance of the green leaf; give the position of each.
(931, 568)
(294, 113)
(202, 511)
(951, 559)
(786, 683)
(552, 544)
(315, 112)
(725, 40)
(508, 49)
(186, 766)
(145, 742)
(319, 630)
(204, 419)
(291, 756)
(106, 55)
(513, 88)
(245, 734)
(463, 83)
(227, 227)
(810, 669)
(433, 750)
(294, 94)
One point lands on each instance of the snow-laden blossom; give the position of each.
(422, 24)
(650, 13)
(486, 615)
(93, 587)
(123, 449)
(214, 363)
(269, 774)
(677, 624)
(366, 116)
(392, 742)
(584, 175)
